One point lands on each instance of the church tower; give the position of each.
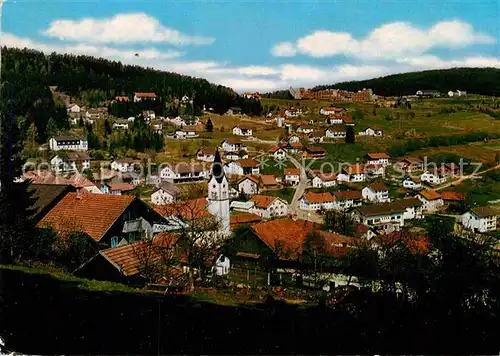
(218, 195)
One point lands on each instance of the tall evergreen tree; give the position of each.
(209, 127)
(16, 226)
(350, 136)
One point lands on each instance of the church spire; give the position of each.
(217, 169)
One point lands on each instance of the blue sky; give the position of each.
(265, 45)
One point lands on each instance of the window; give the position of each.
(114, 241)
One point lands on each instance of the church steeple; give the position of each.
(217, 168)
(218, 195)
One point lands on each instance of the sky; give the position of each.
(264, 45)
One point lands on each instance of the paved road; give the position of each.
(460, 180)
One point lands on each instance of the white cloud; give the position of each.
(388, 41)
(122, 28)
(433, 62)
(284, 49)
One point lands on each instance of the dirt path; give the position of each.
(460, 180)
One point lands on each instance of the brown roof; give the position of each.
(78, 156)
(337, 128)
(268, 179)
(248, 162)
(291, 171)
(484, 211)
(273, 149)
(121, 186)
(347, 120)
(92, 214)
(430, 194)
(207, 150)
(380, 209)
(252, 178)
(315, 149)
(47, 195)
(327, 177)
(412, 160)
(233, 140)
(284, 236)
(263, 201)
(336, 109)
(452, 196)
(126, 258)
(348, 195)
(145, 95)
(187, 168)
(408, 203)
(319, 197)
(77, 179)
(379, 186)
(416, 243)
(356, 169)
(245, 218)
(296, 145)
(377, 155)
(188, 210)
(243, 127)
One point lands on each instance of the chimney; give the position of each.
(79, 193)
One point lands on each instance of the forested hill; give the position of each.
(483, 81)
(102, 79)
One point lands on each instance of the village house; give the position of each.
(336, 131)
(480, 219)
(235, 156)
(206, 154)
(371, 132)
(121, 99)
(347, 120)
(109, 220)
(329, 110)
(295, 147)
(317, 136)
(144, 96)
(431, 199)
(317, 152)
(125, 164)
(413, 208)
(293, 138)
(241, 206)
(278, 152)
(245, 219)
(248, 185)
(269, 182)
(291, 176)
(118, 188)
(305, 129)
(233, 144)
(183, 172)
(334, 120)
(413, 183)
(434, 178)
(347, 199)
(76, 179)
(184, 120)
(242, 130)
(324, 180)
(234, 111)
(187, 132)
(317, 201)
(379, 158)
(376, 193)
(121, 124)
(387, 217)
(167, 193)
(70, 162)
(157, 126)
(242, 167)
(269, 207)
(73, 108)
(452, 197)
(293, 112)
(46, 196)
(410, 164)
(68, 143)
(354, 173)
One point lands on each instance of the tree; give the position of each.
(51, 129)
(107, 127)
(16, 225)
(341, 222)
(209, 127)
(73, 249)
(315, 258)
(350, 136)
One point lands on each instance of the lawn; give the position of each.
(480, 191)
(473, 151)
(285, 193)
(275, 167)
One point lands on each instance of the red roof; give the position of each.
(252, 178)
(245, 218)
(145, 95)
(348, 195)
(378, 155)
(312, 197)
(273, 149)
(248, 163)
(268, 180)
(415, 243)
(188, 210)
(452, 196)
(291, 171)
(93, 214)
(124, 187)
(327, 177)
(263, 201)
(430, 194)
(335, 109)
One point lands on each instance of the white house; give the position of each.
(413, 208)
(183, 172)
(235, 156)
(292, 176)
(376, 192)
(305, 129)
(412, 183)
(328, 110)
(293, 139)
(409, 164)
(371, 132)
(234, 111)
(278, 152)
(232, 144)
(166, 194)
(140, 96)
(354, 173)
(121, 124)
(184, 120)
(206, 154)
(241, 206)
(148, 115)
(68, 143)
(481, 219)
(317, 201)
(431, 199)
(248, 185)
(347, 199)
(70, 162)
(117, 188)
(73, 108)
(386, 217)
(242, 167)
(242, 130)
(292, 112)
(125, 165)
(336, 132)
(269, 207)
(433, 178)
(377, 158)
(324, 180)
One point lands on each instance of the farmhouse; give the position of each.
(269, 207)
(292, 176)
(354, 173)
(46, 196)
(409, 164)
(433, 177)
(337, 131)
(371, 132)
(480, 219)
(315, 152)
(206, 154)
(268, 182)
(242, 130)
(329, 110)
(166, 194)
(387, 217)
(452, 197)
(431, 199)
(244, 219)
(317, 136)
(379, 158)
(347, 199)
(68, 143)
(235, 156)
(140, 96)
(183, 172)
(248, 185)
(376, 192)
(413, 183)
(119, 188)
(232, 144)
(317, 201)
(278, 152)
(70, 162)
(324, 180)
(242, 167)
